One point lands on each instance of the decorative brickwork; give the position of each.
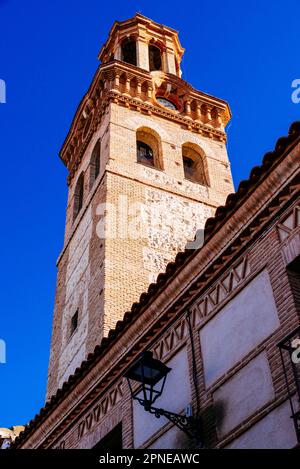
(100, 410)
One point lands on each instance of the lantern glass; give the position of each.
(149, 372)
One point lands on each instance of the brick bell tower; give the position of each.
(147, 166)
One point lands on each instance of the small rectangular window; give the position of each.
(74, 323)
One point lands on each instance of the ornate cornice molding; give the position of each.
(136, 89)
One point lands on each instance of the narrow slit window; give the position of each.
(78, 196)
(74, 323)
(95, 163)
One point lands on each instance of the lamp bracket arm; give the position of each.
(189, 425)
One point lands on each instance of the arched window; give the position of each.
(193, 164)
(78, 196)
(155, 61)
(128, 49)
(95, 163)
(148, 147)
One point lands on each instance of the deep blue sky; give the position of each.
(244, 52)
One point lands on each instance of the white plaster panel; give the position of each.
(172, 439)
(246, 392)
(176, 395)
(275, 431)
(241, 325)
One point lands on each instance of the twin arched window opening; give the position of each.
(129, 54)
(149, 153)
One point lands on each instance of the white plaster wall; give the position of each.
(247, 391)
(172, 439)
(247, 320)
(176, 395)
(275, 431)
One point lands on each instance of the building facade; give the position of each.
(218, 313)
(147, 166)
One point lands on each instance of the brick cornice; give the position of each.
(213, 113)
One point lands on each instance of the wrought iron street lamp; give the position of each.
(151, 374)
